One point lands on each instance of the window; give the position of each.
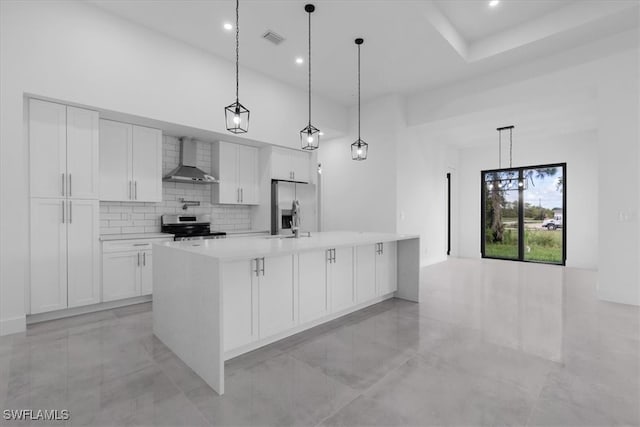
(524, 214)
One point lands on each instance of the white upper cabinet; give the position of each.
(63, 151)
(289, 165)
(147, 164)
(236, 166)
(130, 162)
(83, 180)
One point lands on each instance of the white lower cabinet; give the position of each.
(120, 273)
(340, 279)
(258, 299)
(64, 254)
(127, 268)
(261, 299)
(275, 295)
(386, 268)
(239, 304)
(312, 285)
(376, 270)
(365, 273)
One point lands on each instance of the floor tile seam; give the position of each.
(363, 393)
(183, 393)
(483, 376)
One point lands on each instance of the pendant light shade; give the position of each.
(237, 115)
(359, 149)
(310, 135)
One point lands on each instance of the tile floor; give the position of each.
(492, 343)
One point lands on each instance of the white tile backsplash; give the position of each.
(136, 217)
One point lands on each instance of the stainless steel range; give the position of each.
(190, 227)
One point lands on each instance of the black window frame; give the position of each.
(521, 232)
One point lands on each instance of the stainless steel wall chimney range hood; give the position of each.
(187, 170)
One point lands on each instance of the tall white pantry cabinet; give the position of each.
(64, 223)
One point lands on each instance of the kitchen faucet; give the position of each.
(295, 217)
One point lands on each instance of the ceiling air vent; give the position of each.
(273, 37)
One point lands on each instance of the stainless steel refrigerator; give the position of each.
(283, 193)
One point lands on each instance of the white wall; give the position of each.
(361, 195)
(591, 88)
(579, 151)
(74, 52)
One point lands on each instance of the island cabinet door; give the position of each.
(239, 303)
(341, 279)
(365, 273)
(312, 285)
(276, 296)
(386, 271)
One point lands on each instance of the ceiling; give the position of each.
(409, 45)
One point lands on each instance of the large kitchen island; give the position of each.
(216, 299)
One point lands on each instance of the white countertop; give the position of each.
(251, 247)
(134, 236)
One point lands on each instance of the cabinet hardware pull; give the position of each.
(138, 259)
(63, 211)
(62, 185)
(334, 254)
(144, 258)
(70, 190)
(135, 186)
(256, 270)
(238, 195)
(70, 212)
(140, 244)
(382, 248)
(329, 256)
(263, 266)
(130, 191)
(242, 195)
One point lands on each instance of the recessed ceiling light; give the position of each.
(299, 60)
(494, 3)
(228, 26)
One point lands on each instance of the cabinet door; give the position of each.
(229, 189)
(281, 164)
(342, 279)
(82, 154)
(300, 166)
(275, 290)
(248, 178)
(146, 273)
(365, 273)
(115, 161)
(120, 275)
(386, 272)
(83, 252)
(48, 255)
(239, 305)
(312, 285)
(147, 164)
(47, 148)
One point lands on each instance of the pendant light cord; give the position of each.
(237, 47)
(500, 149)
(309, 68)
(359, 94)
(510, 147)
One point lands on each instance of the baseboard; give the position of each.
(13, 325)
(76, 311)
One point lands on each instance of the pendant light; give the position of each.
(236, 115)
(511, 182)
(310, 135)
(359, 149)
